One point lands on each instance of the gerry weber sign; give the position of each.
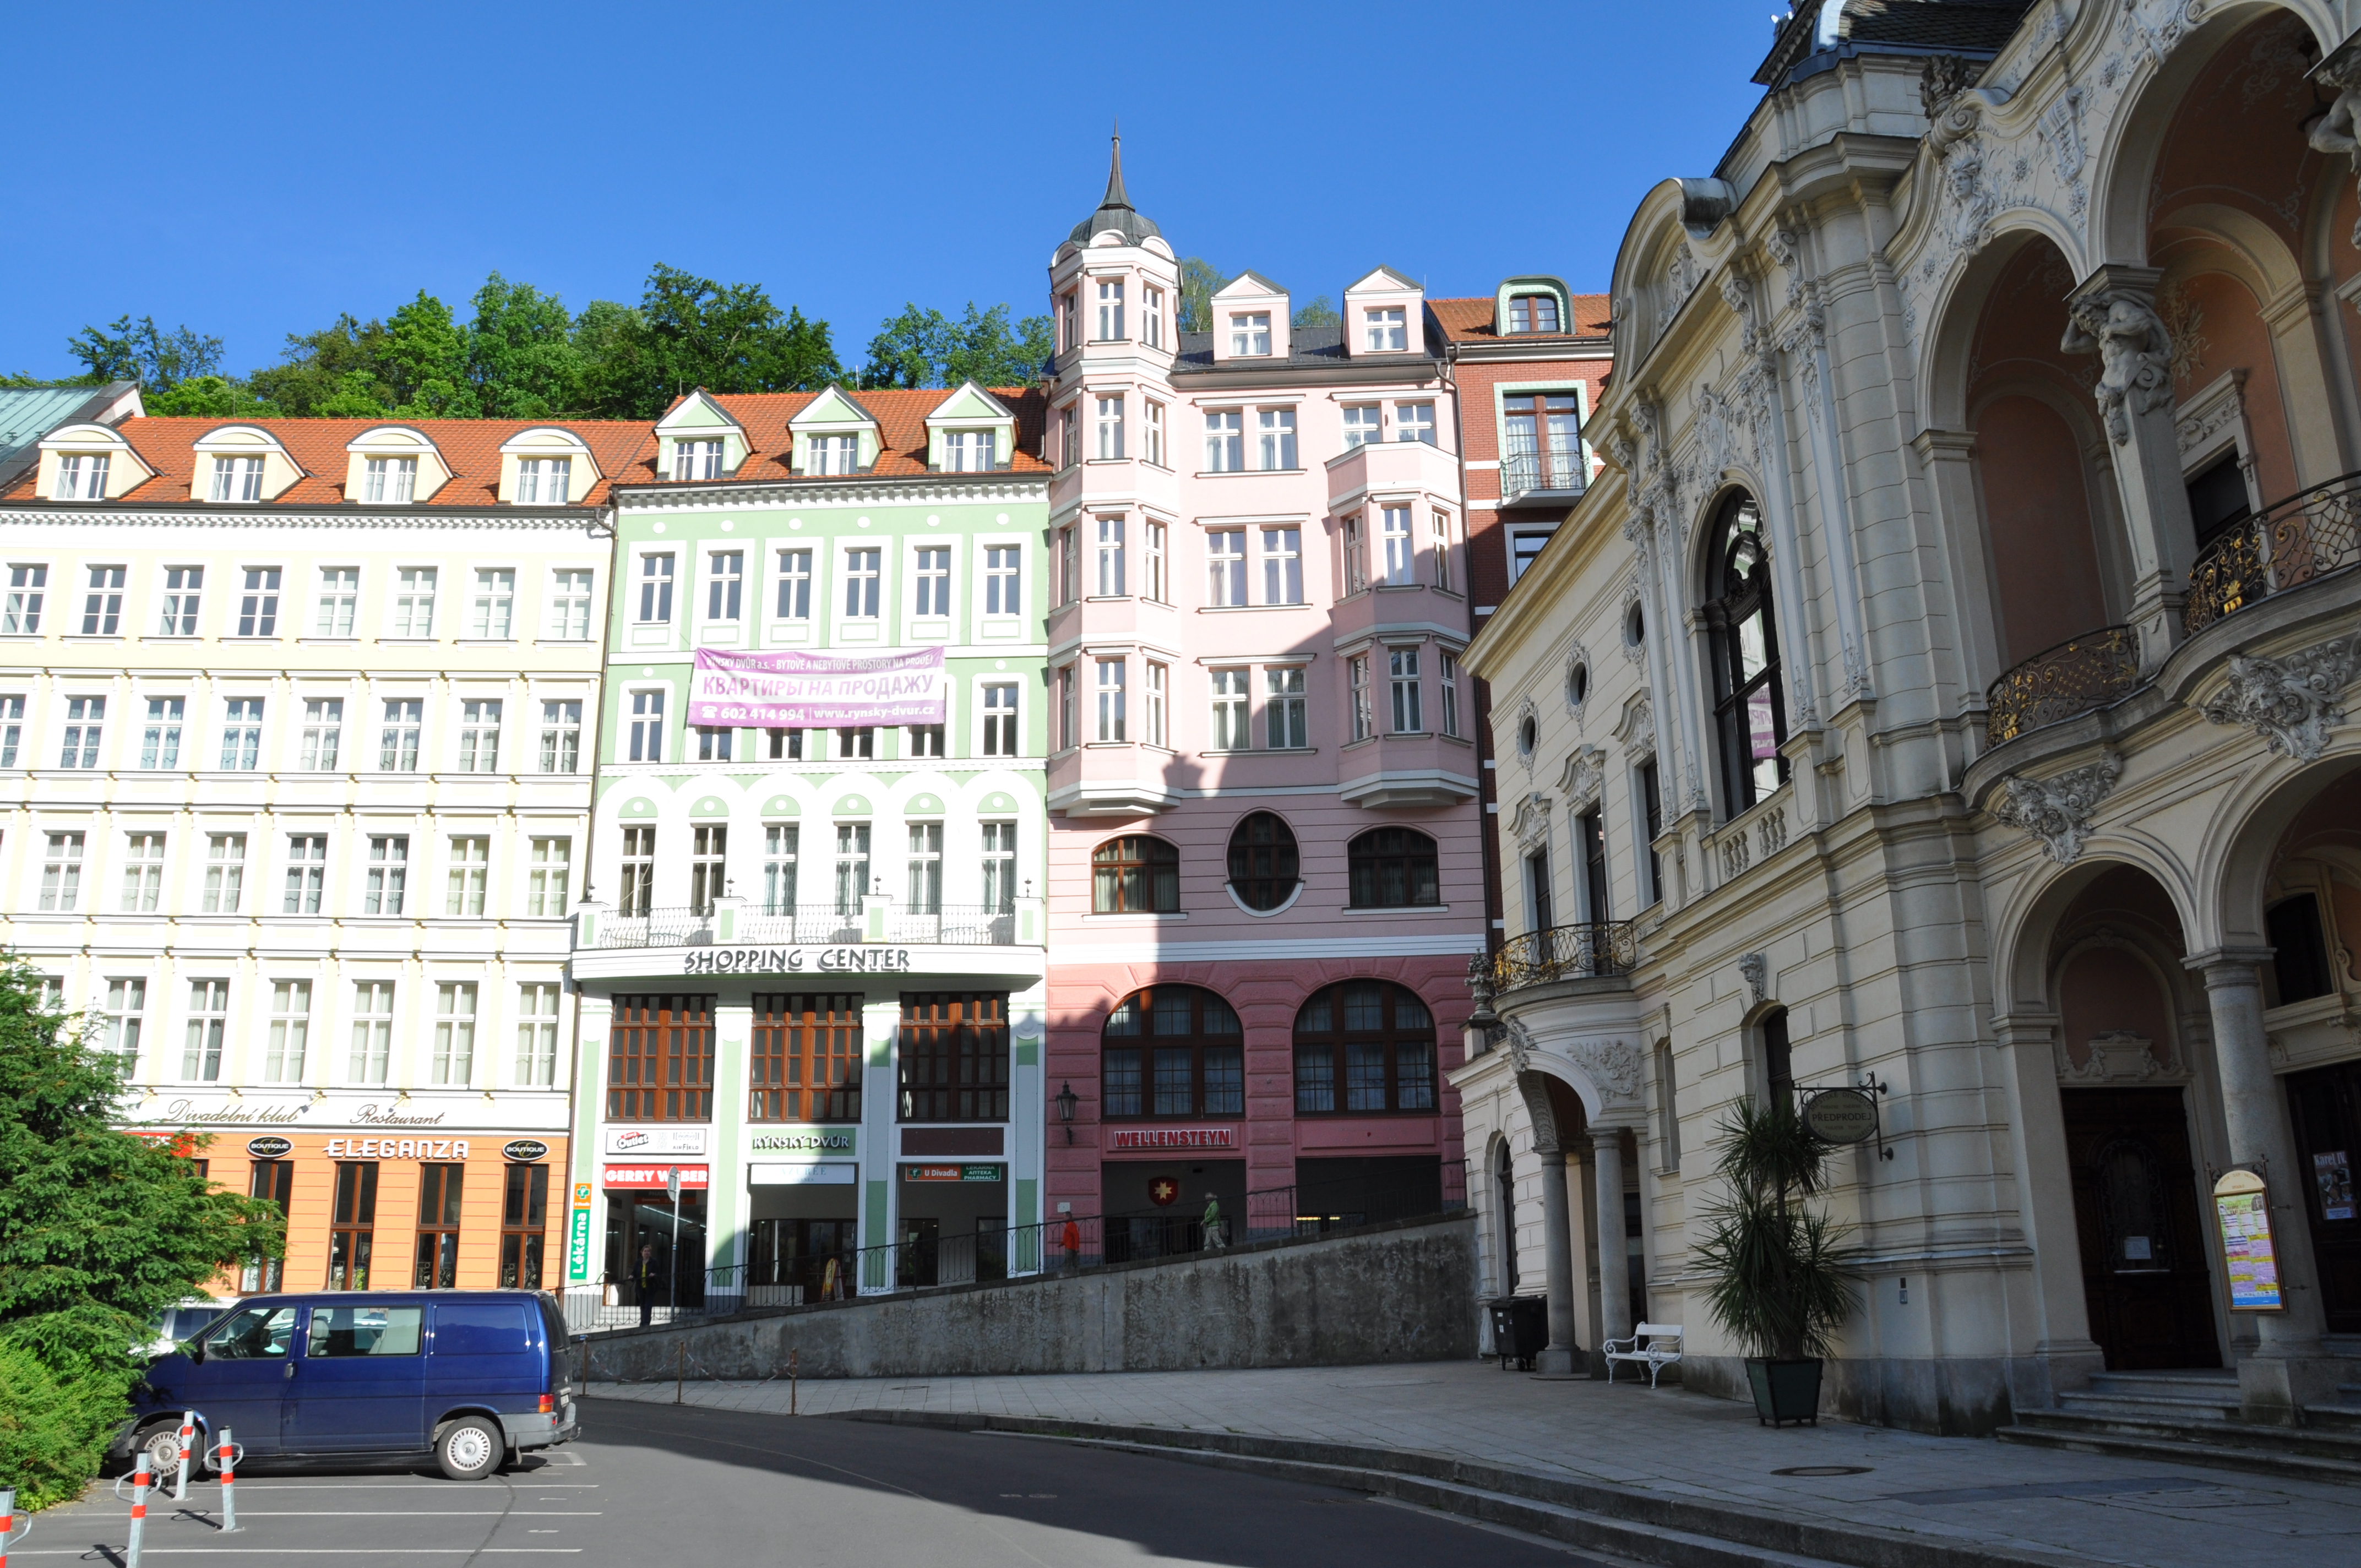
(792, 960)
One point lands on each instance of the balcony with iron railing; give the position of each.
(2314, 534)
(1544, 476)
(1599, 950)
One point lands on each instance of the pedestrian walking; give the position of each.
(647, 1283)
(1070, 1238)
(1213, 1223)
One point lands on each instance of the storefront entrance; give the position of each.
(953, 1224)
(1157, 1208)
(640, 1234)
(802, 1237)
(2325, 1105)
(2146, 1277)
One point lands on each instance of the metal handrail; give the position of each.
(1595, 949)
(1553, 468)
(2058, 684)
(2308, 535)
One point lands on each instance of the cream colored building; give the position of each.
(296, 731)
(1942, 692)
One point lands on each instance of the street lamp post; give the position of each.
(672, 1192)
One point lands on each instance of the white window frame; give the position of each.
(1250, 335)
(414, 589)
(1232, 727)
(792, 600)
(1387, 329)
(336, 607)
(1225, 568)
(1110, 320)
(492, 612)
(570, 597)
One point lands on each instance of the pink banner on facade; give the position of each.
(792, 690)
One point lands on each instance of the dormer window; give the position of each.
(542, 481)
(1533, 313)
(82, 477)
(1110, 309)
(1389, 329)
(697, 460)
(387, 481)
(1250, 332)
(834, 454)
(240, 479)
(968, 451)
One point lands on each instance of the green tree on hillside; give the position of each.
(142, 351)
(99, 1231)
(1200, 281)
(1321, 311)
(690, 332)
(523, 354)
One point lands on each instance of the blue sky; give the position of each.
(252, 170)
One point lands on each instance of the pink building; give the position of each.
(1265, 876)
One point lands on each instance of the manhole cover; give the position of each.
(1825, 1470)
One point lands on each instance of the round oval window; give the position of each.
(1635, 626)
(1577, 685)
(1527, 734)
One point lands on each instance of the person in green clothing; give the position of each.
(1213, 1223)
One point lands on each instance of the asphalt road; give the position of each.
(702, 1488)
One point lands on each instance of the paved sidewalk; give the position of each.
(1669, 1443)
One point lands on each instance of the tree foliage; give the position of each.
(1781, 1273)
(1321, 311)
(1200, 281)
(142, 351)
(99, 1231)
(924, 347)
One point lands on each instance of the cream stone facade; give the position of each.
(1942, 692)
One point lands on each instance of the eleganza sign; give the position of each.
(1122, 1138)
(794, 689)
(795, 960)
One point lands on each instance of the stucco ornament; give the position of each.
(1612, 1064)
(1712, 431)
(2336, 131)
(2117, 1055)
(1521, 1044)
(1578, 660)
(1782, 247)
(1531, 822)
(2293, 702)
(1954, 114)
(1584, 775)
(1736, 293)
(1682, 276)
(2134, 355)
(1755, 969)
(2057, 811)
(1637, 729)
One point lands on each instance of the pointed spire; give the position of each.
(1115, 192)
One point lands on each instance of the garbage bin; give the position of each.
(1520, 1327)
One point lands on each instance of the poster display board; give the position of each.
(794, 689)
(2242, 1206)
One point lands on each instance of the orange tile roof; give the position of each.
(469, 447)
(1470, 319)
(901, 416)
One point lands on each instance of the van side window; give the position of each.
(257, 1333)
(366, 1331)
(480, 1328)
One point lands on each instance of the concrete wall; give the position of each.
(1394, 1292)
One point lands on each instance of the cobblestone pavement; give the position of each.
(1667, 1441)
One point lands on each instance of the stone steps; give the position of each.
(2329, 1449)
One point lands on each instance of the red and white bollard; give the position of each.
(8, 1521)
(138, 1512)
(228, 1456)
(188, 1439)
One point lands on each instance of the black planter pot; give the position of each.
(1784, 1390)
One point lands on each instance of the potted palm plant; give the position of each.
(1782, 1275)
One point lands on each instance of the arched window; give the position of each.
(1778, 1058)
(1172, 1050)
(1135, 876)
(1392, 868)
(1749, 705)
(1504, 1189)
(1264, 866)
(1362, 1047)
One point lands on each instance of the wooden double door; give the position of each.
(2325, 1106)
(2147, 1271)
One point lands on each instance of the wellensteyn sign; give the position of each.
(795, 960)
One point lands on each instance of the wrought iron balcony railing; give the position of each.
(2079, 674)
(2308, 535)
(1525, 473)
(1595, 950)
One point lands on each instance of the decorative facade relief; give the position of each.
(1578, 664)
(1755, 969)
(2058, 810)
(1612, 1064)
(2118, 1057)
(1712, 432)
(2293, 702)
(1531, 824)
(2134, 355)
(1682, 277)
(1770, 831)
(1583, 777)
(2335, 132)
(1637, 729)
(1735, 856)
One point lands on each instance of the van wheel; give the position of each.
(162, 1444)
(470, 1449)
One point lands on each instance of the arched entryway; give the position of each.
(2130, 1028)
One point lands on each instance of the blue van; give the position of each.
(469, 1375)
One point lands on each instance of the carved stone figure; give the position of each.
(2057, 811)
(2134, 355)
(1713, 429)
(1756, 968)
(2337, 132)
(2292, 703)
(1683, 275)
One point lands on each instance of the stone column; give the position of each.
(2113, 315)
(2064, 1352)
(1614, 1251)
(2291, 1367)
(1557, 1239)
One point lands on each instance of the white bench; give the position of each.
(1652, 1346)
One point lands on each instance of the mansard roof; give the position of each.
(766, 419)
(1976, 27)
